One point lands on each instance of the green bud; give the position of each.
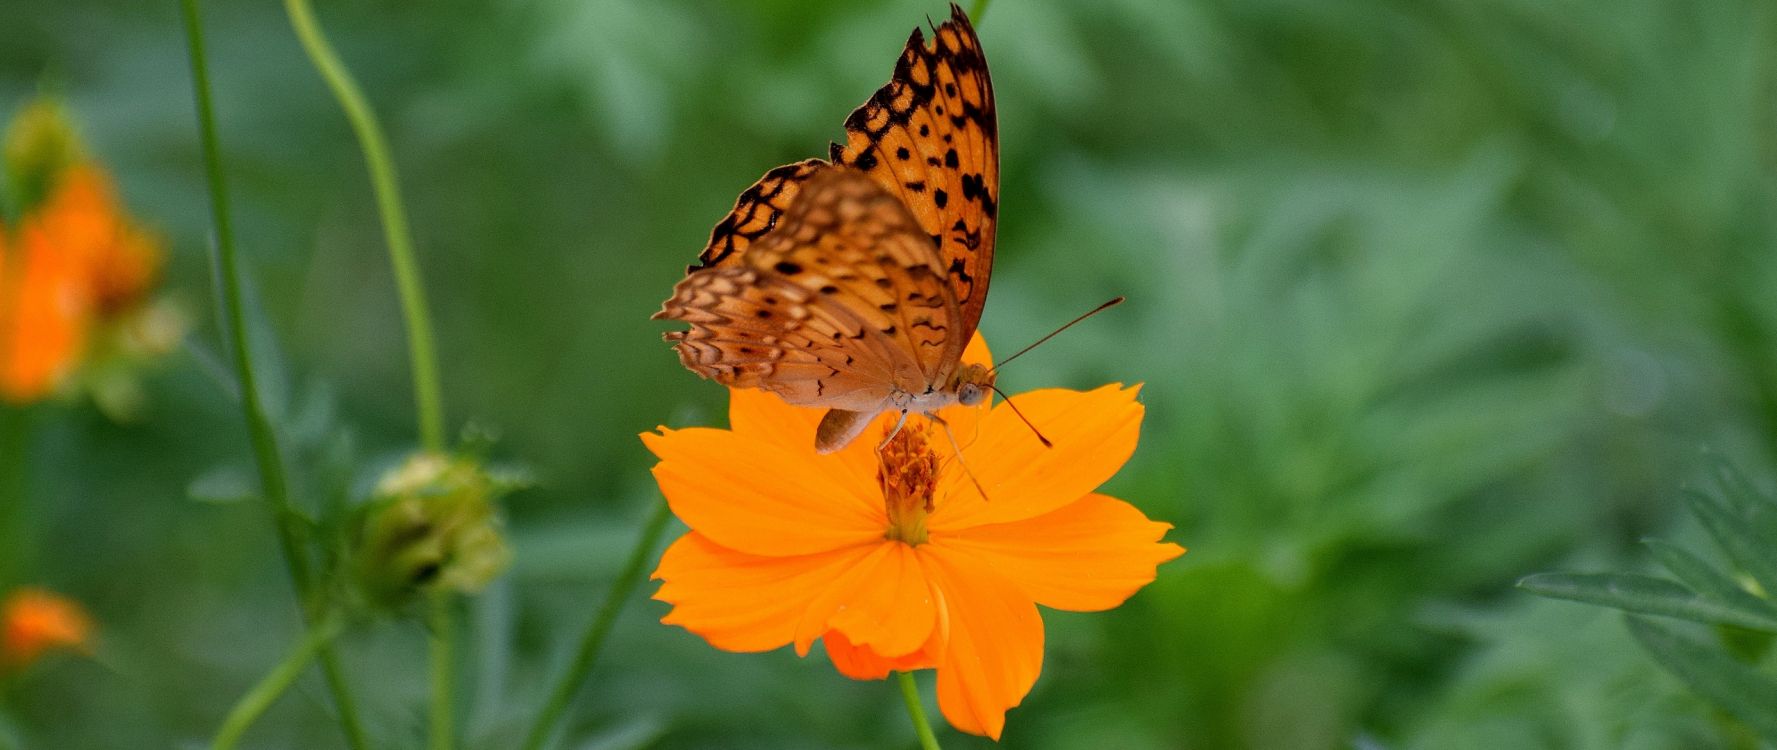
(432, 525)
(40, 146)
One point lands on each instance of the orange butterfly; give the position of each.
(855, 283)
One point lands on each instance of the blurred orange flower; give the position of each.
(33, 621)
(75, 262)
(893, 559)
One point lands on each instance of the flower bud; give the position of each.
(431, 525)
(40, 146)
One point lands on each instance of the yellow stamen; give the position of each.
(907, 469)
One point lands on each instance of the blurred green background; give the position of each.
(1427, 296)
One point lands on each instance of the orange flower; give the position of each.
(45, 314)
(85, 221)
(33, 621)
(78, 262)
(893, 559)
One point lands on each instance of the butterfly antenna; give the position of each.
(958, 452)
(1027, 423)
(1118, 300)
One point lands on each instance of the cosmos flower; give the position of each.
(894, 559)
(76, 264)
(33, 621)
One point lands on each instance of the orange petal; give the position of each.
(1093, 434)
(755, 497)
(742, 602)
(976, 353)
(860, 663)
(995, 643)
(45, 313)
(884, 603)
(1087, 556)
(33, 621)
(761, 415)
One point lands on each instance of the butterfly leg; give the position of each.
(959, 454)
(892, 433)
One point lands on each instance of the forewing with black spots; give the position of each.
(930, 137)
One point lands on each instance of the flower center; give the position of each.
(907, 469)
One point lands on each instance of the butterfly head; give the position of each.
(973, 382)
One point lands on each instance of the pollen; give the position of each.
(907, 470)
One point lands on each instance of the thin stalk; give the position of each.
(424, 359)
(979, 11)
(442, 633)
(254, 704)
(916, 711)
(232, 321)
(422, 354)
(594, 638)
(15, 439)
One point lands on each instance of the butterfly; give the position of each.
(854, 283)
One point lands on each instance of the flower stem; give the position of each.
(15, 443)
(443, 641)
(594, 638)
(232, 321)
(424, 359)
(916, 711)
(979, 10)
(254, 704)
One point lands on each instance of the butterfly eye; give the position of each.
(969, 394)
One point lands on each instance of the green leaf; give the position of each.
(1740, 490)
(1738, 537)
(1646, 595)
(224, 484)
(1748, 694)
(1705, 579)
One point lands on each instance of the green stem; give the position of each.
(594, 638)
(427, 398)
(979, 11)
(443, 640)
(15, 440)
(254, 704)
(232, 322)
(916, 711)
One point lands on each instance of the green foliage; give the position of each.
(1728, 670)
(40, 144)
(1425, 296)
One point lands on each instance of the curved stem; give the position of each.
(261, 697)
(916, 711)
(232, 321)
(443, 641)
(424, 358)
(594, 638)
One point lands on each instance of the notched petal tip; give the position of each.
(1093, 433)
(1090, 555)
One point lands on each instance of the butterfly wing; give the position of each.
(755, 213)
(844, 302)
(930, 137)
